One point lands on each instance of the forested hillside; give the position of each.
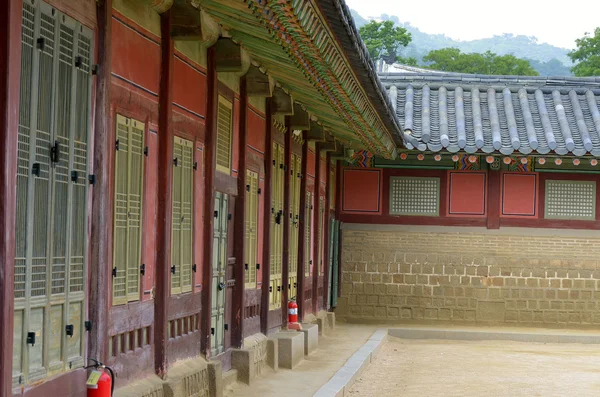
(548, 60)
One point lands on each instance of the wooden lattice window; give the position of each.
(182, 223)
(224, 135)
(414, 196)
(277, 215)
(50, 269)
(127, 236)
(570, 200)
(251, 223)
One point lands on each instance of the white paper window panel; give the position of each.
(414, 196)
(570, 200)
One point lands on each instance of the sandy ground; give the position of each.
(314, 371)
(427, 368)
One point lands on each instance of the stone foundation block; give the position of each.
(331, 320)
(291, 348)
(243, 361)
(273, 354)
(215, 379)
(190, 379)
(151, 386)
(311, 337)
(322, 323)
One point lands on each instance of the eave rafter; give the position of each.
(313, 49)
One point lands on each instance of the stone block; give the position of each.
(151, 386)
(243, 361)
(215, 379)
(322, 323)
(491, 311)
(290, 348)
(273, 354)
(188, 379)
(311, 337)
(331, 320)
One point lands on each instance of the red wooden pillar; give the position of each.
(338, 212)
(494, 194)
(239, 229)
(315, 230)
(210, 161)
(303, 218)
(266, 196)
(285, 277)
(165, 197)
(10, 68)
(101, 217)
(326, 227)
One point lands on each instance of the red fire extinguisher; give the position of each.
(100, 383)
(293, 315)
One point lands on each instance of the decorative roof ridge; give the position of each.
(450, 77)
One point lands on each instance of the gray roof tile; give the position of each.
(478, 113)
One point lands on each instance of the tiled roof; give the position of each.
(502, 114)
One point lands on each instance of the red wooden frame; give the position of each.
(449, 194)
(379, 190)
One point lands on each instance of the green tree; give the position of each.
(587, 54)
(383, 40)
(453, 60)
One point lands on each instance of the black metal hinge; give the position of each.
(216, 214)
(173, 269)
(226, 327)
(88, 325)
(55, 152)
(259, 190)
(245, 266)
(247, 188)
(229, 217)
(31, 338)
(146, 151)
(92, 179)
(74, 176)
(195, 166)
(114, 272)
(194, 268)
(117, 145)
(35, 169)
(95, 69)
(69, 330)
(78, 61)
(212, 331)
(175, 161)
(41, 43)
(143, 269)
(258, 266)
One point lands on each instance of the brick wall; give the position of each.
(470, 275)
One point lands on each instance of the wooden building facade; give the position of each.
(169, 180)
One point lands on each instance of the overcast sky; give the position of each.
(558, 22)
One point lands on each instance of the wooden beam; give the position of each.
(259, 84)
(10, 68)
(339, 153)
(210, 161)
(300, 120)
(302, 219)
(316, 132)
(283, 104)
(286, 220)
(239, 230)
(494, 194)
(315, 230)
(101, 217)
(186, 21)
(328, 146)
(266, 197)
(230, 57)
(164, 193)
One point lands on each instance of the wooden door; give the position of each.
(219, 263)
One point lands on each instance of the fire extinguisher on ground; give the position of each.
(100, 383)
(293, 315)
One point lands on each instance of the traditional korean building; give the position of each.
(168, 183)
(491, 212)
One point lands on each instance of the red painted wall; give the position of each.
(311, 163)
(256, 131)
(471, 220)
(467, 193)
(361, 191)
(189, 87)
(519, 195)
(135, 54)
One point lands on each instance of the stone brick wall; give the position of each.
(470, 275)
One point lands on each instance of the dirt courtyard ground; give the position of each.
(431, 368)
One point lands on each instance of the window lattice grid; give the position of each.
(570, 200)
(414, 196)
